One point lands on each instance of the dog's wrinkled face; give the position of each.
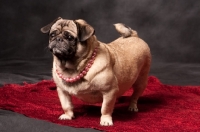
(63, 39)
(65, 35)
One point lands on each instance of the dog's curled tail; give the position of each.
(125, 31)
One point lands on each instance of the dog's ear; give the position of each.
(85, 31)
(47, 28)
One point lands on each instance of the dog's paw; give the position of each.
(66, 116)
(133, 107)
(106, 120)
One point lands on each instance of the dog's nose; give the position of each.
(59, 39)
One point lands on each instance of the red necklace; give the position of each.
(82, 73)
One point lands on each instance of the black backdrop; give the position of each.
(171, 28)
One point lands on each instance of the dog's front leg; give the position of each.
(65, 100)
(109, 99)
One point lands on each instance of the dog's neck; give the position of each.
(67, 65)
(78, 62)
(70, 68)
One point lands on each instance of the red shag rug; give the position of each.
(161, 108)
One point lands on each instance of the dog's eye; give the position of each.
(52, 35)
(68, 36)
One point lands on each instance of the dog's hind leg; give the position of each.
(138, 88)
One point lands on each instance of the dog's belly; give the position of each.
(90, 96)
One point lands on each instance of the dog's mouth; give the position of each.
(63, 49)
(63, 54)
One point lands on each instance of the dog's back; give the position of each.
(132, 57)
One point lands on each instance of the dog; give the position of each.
(94, 71)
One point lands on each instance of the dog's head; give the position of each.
(67, 37)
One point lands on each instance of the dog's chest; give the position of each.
(86, 93)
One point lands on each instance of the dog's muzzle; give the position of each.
(61, 49)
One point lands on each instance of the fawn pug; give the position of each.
(94, 71)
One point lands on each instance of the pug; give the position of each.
(94, 71)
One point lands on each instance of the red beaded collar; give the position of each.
(82, 73)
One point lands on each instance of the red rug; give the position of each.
(161, 108)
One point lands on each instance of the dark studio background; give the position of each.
(171, 28)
